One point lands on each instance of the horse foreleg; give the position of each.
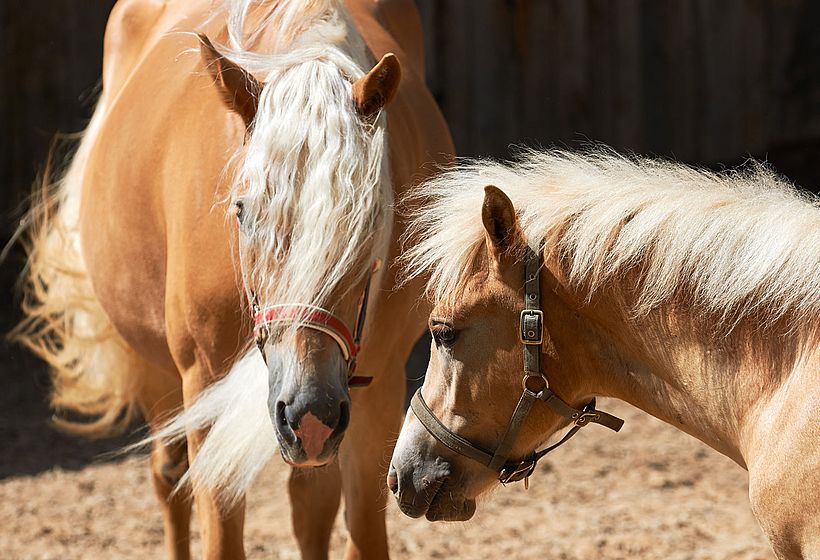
(160, 397)
(314, 501)
(364, 459)
(222, 526)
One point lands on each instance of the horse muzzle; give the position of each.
(426, 490)
(310, 424)
(427, 482)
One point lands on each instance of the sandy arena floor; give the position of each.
(649, 492)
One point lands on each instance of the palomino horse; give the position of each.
(142, 287)
(690, 295)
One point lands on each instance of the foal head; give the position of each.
(313, 200)
(474, 378)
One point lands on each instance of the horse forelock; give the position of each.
(313, 175)
(737, 245)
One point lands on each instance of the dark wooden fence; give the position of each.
(705, 81)
(702, 80)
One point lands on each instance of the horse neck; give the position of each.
(667, 364)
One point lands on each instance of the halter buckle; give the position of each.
(531, 327)
(516, 472)
(586, 418)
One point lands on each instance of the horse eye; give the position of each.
(240, 210)
(444, 335)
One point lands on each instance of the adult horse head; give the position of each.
(690, 295)
(312, 198)
(490, 327)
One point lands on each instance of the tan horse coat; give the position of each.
(690, 295)
(160, 253)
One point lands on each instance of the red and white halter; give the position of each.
(316, 318)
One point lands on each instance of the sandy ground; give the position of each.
(648, 492)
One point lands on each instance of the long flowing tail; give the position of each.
(64, 324)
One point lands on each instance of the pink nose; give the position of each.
(313, 434)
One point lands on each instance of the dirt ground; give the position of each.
(648, 492)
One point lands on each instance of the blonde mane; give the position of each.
(313, 176)
(735, 243)
(317, 199)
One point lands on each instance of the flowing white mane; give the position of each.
(317, 199)
(735, 243)
(313, 177)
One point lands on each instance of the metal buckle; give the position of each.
(514, 473)
(586, 417)
(529, 333)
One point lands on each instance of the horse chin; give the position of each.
(448, 504)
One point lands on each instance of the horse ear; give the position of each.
(500, 222)
(239, 89)
(376, 89)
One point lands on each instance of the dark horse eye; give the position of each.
(443, 335)
(240, 210)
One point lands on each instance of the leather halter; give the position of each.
(535, 388)
(315, 318)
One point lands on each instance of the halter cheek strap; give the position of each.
(535, 388)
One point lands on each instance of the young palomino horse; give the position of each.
(693, 296)
(142, 287)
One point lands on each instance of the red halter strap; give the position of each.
(311, 317)
(318, 319)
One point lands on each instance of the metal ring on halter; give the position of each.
(531, 335)
(536, 392)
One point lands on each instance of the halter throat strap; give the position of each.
(535, 388)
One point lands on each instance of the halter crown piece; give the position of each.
(535, 388)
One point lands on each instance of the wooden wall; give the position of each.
(703, 80)
(50, 65)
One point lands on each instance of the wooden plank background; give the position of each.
(700, 80)
(705, 81)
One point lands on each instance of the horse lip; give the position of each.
(298, 458)
(412, 509)
(441, 513)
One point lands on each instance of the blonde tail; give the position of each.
(94, 372)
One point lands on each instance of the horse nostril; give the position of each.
(393, 481)
(283, 424)
(344, 416)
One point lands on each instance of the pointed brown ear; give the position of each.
(500, 222)
(378, 87)
(239, 89)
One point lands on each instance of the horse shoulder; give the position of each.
(126, 34)
(151, 186)
(134, 26)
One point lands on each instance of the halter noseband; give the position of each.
(535, 388)
(312, 317)
(318, 319)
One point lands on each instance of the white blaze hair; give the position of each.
(315, 185)
(737, 242)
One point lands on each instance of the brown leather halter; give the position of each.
(535, 388)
